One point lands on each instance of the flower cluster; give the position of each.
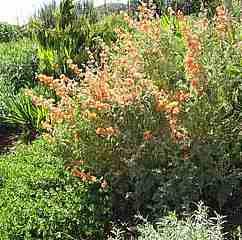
(222, 21)
(63, 86)
(193, 67)
(64, 109)
(119, 80)
(85, 177)
(171, 105)
(107, 132)
(148, 135)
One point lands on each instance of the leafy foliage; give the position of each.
(159, 118)
(10, 32)
(70, 31)
(155, 119)
(19, 111)
(199, 226)
(40, 200)
(18, 64)
(63, 32)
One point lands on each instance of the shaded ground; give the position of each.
(8, 139)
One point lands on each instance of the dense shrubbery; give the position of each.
(199, 226)
(18, 111)
(10, 32)
(154, 116)
(160, 117)
(68, 31)
(18, 63)
(18, 69)
(40, 200)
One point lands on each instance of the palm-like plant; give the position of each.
(64, 31)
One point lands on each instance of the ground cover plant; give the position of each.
(197, 225)
(40, 200)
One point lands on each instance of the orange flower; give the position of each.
(223, 21)
(147, 135)
(175, 110)
(107, 132)
(192, 67)
(194, 83)
(101, 131)
(193, 43)
(101, 106)
(161, 105)
(181, 96)
(83, 176)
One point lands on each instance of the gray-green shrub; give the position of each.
(196, 227)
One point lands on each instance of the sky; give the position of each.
(18, 11)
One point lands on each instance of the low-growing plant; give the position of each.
(198, 226)
(40, 200)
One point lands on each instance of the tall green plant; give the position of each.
(10, 32)
(18, 63)
(62, 32)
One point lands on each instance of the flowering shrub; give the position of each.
(155, 107)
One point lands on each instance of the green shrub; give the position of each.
(63, 32)
(4, 94)
(40, 200)
(18, 63)
(10, 32)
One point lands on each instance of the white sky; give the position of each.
(17, 11)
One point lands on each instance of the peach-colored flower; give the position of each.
(86, 177)
(181, 96)
(161, 105)
(222, 21)
(148, 135)
(107, 132)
